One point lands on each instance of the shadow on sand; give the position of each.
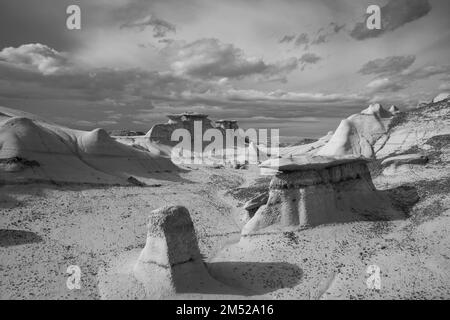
(403, 198)
(256, 278)
(9, 238)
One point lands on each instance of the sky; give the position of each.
(295, 65)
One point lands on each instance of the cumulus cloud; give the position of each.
(394, 14)
(160, 27)
(323, 35)
(137, 89)
(287, 39)
(309, 58)
(35, 57)
(212, 59)
(302, 40)
(387, 66)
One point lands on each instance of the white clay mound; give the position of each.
(31, 150)
(357, 134)
(441, 97)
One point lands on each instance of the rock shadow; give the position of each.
(403, 198)
(256, 278)
(10, 238)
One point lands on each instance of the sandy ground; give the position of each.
(45, 229)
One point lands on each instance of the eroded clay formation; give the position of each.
(310, 191)
(162, 133)
(170, 262)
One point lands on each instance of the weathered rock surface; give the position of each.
(71, 156)
(357, 134)
(255, 203)
(414, 158)
(441, 97)
(312, 191)
(170, 262)
(394, 110)
(403, 162)
(414, 128)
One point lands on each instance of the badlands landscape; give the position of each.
(309, 224)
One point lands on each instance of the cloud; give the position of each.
(396, 81)
(388, 66)
(384, 85)
(287, 38)
(212, 59)
(426, 72)
(160, 27)
(309, 58)
(35, 57)
(323, 35)
(88, 89)
(394, 14)
(302, 39)
(445, 86)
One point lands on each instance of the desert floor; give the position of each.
(46, 228)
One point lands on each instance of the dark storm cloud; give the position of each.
(394, 14)
(210, 58)
(160, 27)
(387, 66)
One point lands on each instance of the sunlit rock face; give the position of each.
(441, 97)
(358, 134)
(162, 133)
(311, 191)
(170, 262)
(196, 123)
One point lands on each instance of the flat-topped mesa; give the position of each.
(171, 262)
(227, 124)
(162, 133)
(310, 191)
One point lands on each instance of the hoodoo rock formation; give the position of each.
(170, 262)
(310, 191)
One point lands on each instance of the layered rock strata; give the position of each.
(311, 191)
